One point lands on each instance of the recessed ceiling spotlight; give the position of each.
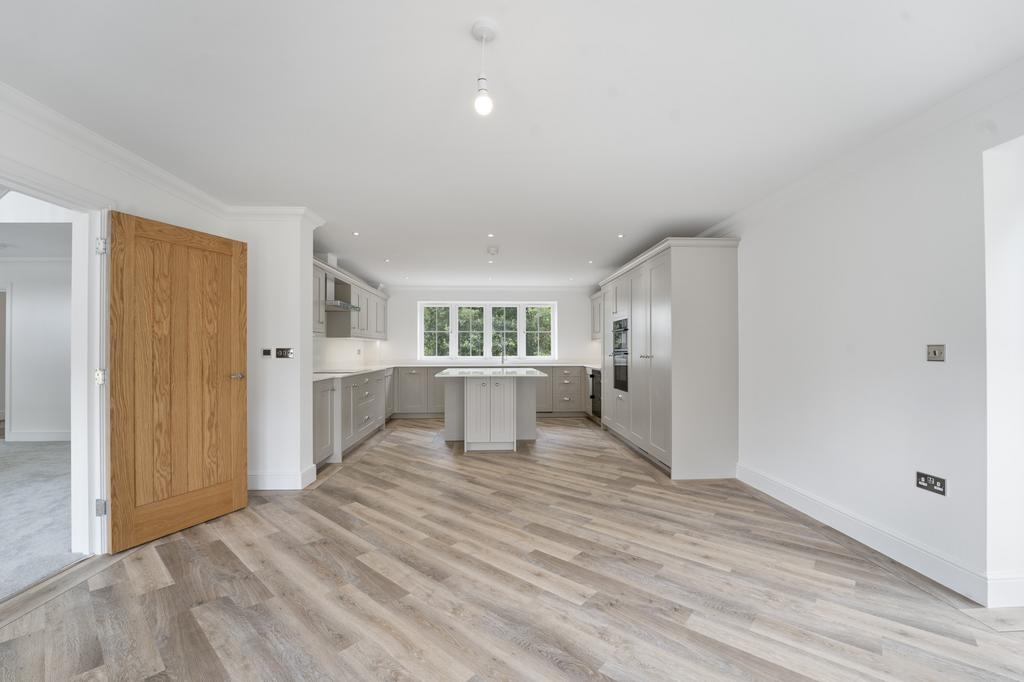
(490, 235)
(621, 235)
(490, 261)
(387, 260)
(356, 234)
(407, 276)
(570, 279)
(590, 262)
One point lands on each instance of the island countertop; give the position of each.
(472, 372)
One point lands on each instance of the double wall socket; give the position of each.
(936, 352)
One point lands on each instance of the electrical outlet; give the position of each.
(933, 484)
(267, 352)
(936, 352)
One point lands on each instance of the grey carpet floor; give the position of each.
(35, 520)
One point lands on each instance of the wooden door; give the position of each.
(177, 369)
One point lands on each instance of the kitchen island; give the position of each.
(490, 408)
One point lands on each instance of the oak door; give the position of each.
(177, 378)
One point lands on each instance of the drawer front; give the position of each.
(568, 398)
(366, 416)
(559, 375)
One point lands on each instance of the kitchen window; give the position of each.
(486, 331)
(436, 331)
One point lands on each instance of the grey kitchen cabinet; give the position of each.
(659, 352)
(681, 408)
(412, 390)
(639, 421)
(435, 390)
(325, 410)
(608, 373)
(567, 389)
(319, 300)
(363, 406)
(543, 388)
(596, 315)
(381, 328)
(389, 392)
(368, 319)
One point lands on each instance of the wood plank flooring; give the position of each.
(573, 559)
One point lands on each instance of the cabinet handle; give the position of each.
(620, 396)
(566, 398)
(566, 382)
(484, 384)
(497, 383)
(412, 371)
(366, 418)
(366, 394)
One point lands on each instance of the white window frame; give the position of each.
(453, 331)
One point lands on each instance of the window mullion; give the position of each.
(488, 332)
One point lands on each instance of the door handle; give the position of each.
(237, 376)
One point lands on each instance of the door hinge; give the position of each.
(100, 377)
(101, 507)
(101, 246)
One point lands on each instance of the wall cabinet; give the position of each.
(596, 315)
(325, 410)
(319, 299)
(370, 321)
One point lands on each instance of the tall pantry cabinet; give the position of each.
(681, 402)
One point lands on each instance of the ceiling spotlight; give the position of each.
(621, 235)
(490, 261)
(355, 234)
(490, 235)
(483, 30)
(590, 262)
(387, 260)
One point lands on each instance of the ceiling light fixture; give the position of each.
(590, 262)
(387, 260)
(490, 261)
(483, 30)
(490, 235)
(355, 234)
(621, 235)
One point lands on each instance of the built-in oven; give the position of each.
(620, 355)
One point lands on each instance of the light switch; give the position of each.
(936, 352)
(286, 353)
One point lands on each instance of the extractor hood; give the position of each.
(339, 307)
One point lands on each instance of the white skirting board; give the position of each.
(923, 560)
(282, 481)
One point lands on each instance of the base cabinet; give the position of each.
(325, 409)
(412, 390)
(490, 419)
(363, 399)
(389, 393)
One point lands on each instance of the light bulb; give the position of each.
(483, 103)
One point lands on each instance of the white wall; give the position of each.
(40, 387)
(573, 324)
(1004, 256)
(843, 280)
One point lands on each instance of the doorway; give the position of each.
(35, 451)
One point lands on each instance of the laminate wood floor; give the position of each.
(572, 559)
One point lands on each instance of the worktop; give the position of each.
(474, 372)
(341, 373)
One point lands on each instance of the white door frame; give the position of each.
(7, 287)
(89, 454)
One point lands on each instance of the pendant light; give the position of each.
(483, 30)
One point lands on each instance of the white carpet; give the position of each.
(35, 521)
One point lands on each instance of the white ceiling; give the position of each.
(646, 118)
(35, 240)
